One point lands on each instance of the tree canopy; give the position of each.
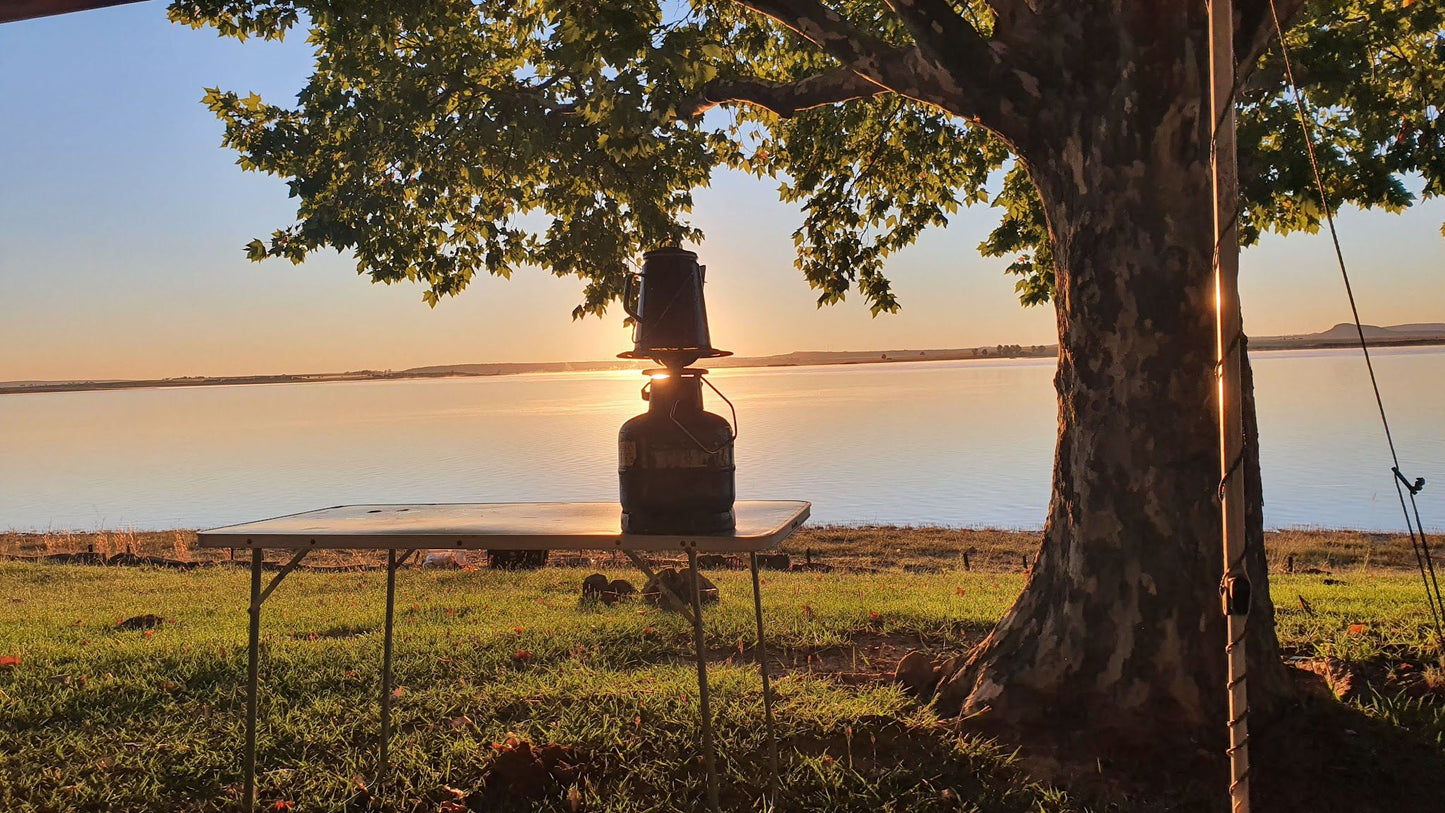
(437, 139)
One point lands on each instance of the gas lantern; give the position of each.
(675, 461)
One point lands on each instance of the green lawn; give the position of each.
(94, 718)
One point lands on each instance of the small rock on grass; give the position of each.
(141, 622)
(774, 561)
(522, 770)
(917, 674)
(618, 590)
(594, 586)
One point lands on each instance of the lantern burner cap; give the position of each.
(660, 354)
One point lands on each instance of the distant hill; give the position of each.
(513, 368)
(1344, 333)
(1341, 335)
(1431, 328)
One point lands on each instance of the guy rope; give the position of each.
(1405, 489)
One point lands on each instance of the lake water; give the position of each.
(953, 443)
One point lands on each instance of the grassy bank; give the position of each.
(99, 718)
(868, 547)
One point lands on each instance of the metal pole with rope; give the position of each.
(1234, 587)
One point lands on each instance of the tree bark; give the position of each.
(1120, 625)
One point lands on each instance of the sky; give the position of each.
(122, 222)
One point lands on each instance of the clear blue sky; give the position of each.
(122, 223)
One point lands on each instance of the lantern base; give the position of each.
(650, 522)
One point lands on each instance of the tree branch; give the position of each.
(786, 99)
(913, 72)
(951, 41)
(1255, 30)
(828, 30)
(941, 31)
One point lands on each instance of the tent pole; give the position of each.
(1234, 587)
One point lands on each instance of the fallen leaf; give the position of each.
(519, 629)
(397, 692)
(522, 656)
(283, 806)
(1356, 629)
(9, 661)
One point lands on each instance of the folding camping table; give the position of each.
(761, 525)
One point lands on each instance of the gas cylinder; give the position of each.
(675, 461)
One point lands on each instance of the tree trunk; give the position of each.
(1120, 625)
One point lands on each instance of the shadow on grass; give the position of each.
(1326, 756)
(1318, 755)
(875, 764)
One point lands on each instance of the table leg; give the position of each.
(386, 668)
(704, 705)
(252, 680)
(767, 683)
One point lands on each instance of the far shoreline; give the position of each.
(1270, 344)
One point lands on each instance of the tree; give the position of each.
(439, 139)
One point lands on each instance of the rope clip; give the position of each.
(1415, 487)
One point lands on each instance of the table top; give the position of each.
(761, 524)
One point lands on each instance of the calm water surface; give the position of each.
(956, 443)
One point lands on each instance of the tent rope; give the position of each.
(1419, 541)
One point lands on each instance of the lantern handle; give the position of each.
(732, 427)
(628, 287)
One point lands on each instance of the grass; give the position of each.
(855, 547)
(98, 719)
